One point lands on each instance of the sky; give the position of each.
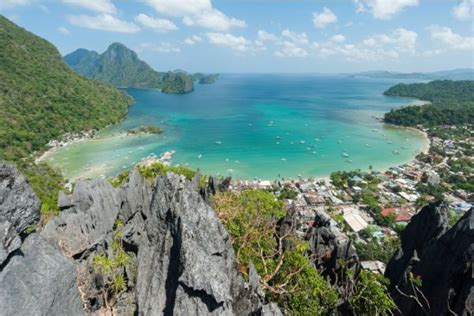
(262, 36)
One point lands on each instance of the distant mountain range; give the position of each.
(455, 74)
(121, 67)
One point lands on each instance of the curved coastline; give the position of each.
(361, 160)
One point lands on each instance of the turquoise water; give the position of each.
(265, 126)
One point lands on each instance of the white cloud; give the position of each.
(401, 39)
(290, 49)
(196, 12)
(338, 38)
(400, 42)
(103, 22)
(444, 35)
(158, 25)
(464, 10)
(6, 4)
(163, 47)
(323, 18)
(384, 9)
(300, 38)
(264, 36)
(63, 30)
(101, 6)
(193, 40)
(237, 43)
(213, 19)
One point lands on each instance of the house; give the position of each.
(401, 214)
(354, 219)
(373, 266)
(409, 197)
(313, 199)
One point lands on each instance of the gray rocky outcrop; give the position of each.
(438, 261)
(88, 215)
(182, 260)
(35, 277)
(39, 281)
(186, 263)
(19, 208)
(330, 246)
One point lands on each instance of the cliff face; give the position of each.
(179, 257)
(432, 271)
(35, 277)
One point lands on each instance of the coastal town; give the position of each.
(373, 206)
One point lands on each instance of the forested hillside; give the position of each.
(120, 66)
(41, 98)
(452, 102)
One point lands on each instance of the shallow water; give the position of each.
(265, 126)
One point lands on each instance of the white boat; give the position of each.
(200, 156)
(344, 154)
(218, 142)
(283, 159)
(302, 142)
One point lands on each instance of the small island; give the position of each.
(145, 130)
(205, 79)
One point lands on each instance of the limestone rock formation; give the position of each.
(181, 254)
(432, 271)
(330, 246)
(39, 281)
(19, 208)
(35, 277)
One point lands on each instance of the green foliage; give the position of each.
(436, 191)
(46, 183)
(370, 297)
(41, 98)
(288, 193)
(146, 130)
(152, 171)
(120, 179)
(118, 283)
(452, 103)
(120, 66)
(288, 276)
(341, 179)
(111, 267)
(381, 250)
(176, 83)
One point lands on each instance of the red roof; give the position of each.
(388, 211)
(401, 214)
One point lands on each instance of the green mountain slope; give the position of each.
(41, 98)
(121, 67)
(452, 103)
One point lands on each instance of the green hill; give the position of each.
(452, 103)
(41, 98)
(120, 66)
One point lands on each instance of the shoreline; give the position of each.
(326, 177)
(94, 135)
